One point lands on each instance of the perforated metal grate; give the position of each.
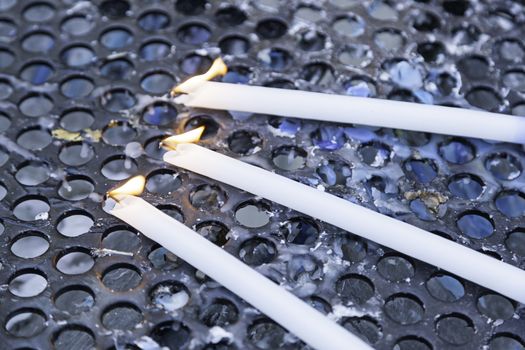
(83, 105)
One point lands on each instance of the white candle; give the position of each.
(347, 109)
(405, 238)
(277, 303)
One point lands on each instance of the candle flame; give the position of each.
(187, 137)
(217, 68)
(133, 187)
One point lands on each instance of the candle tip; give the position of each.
(133, 187)
(191, 136)
(218, 68)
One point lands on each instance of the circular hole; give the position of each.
(214, 231)
(159, 113)
(25, 323)
(421, 170)
(350, 25)
(193, 34)
(495, 307)
(244, 142)
(74, 261)
(157, 82)
(234, 45)
(320, 74)
(116, 69)
(456, 7)
(195, 63)
(211, 127)
(34, 138)
(116, 38)
(119, 99)
(474, 67)
(35, 105)
(38, 12)
(515, 79)
(230, 16)
(383, 10)
(395, 268)
(329, 138)
(510, 49)
(519, 109)
(119, 168)
(121, 238)
(161, 258)
(257, 251)
(220, 313)
(74, 223)
(77, 56)
(74, 337)
(312, 40)
(446, 83)
(253, 214)
(7, 4)
(32, 173)
(421, 210)
(466, 186)
(503, 166)
(412, 343)
(75, 299)
(122, 316)
(38, 42)
(319, 304)
(190, 7)
(171, 334)
(275, 59)
(77, 25)
(499, 20)
(300, 230)
(355, 288)
(484, 98)
(30, 245)
(76, 153)
(5, 89)
(5, 122)
(121, 277)
(75, 188)
(172, 210)
(266, 334)
(334, 173)
(361, 86)
(366, 327)
(6, 58)
(432, 52)
(163, 181)
(515, 242)
(404, 309)
(37, 72)
(27, 283)
(445, 287)
(289, 158)
(506, 341)
(114, 8)
(475, 225)
(455, 329)
(152, 21)
(155, 50)
(76, 87)
(375, 154)
(355, 55)
(457, 151)
(466, 35)
(271, 28)
(118, 133)
(169, 296)
(424, 21)
(153, 148)
(208, 197)
(77, 119)
(309, 13)
(31, 208)
(511, 203)
(389, 39)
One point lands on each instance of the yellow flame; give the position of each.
(187, 137)
(134, 187)
(217, 68)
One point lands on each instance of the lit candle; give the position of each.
(402, 237)
(292, 313)
(198, 92)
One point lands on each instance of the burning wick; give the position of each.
(199, 92)
(292, 313)
(218, 68)
(191, 136)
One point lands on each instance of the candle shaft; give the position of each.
(356, 110)
(283, 307)
(405, 238)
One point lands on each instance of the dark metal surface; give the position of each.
(119, 290)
